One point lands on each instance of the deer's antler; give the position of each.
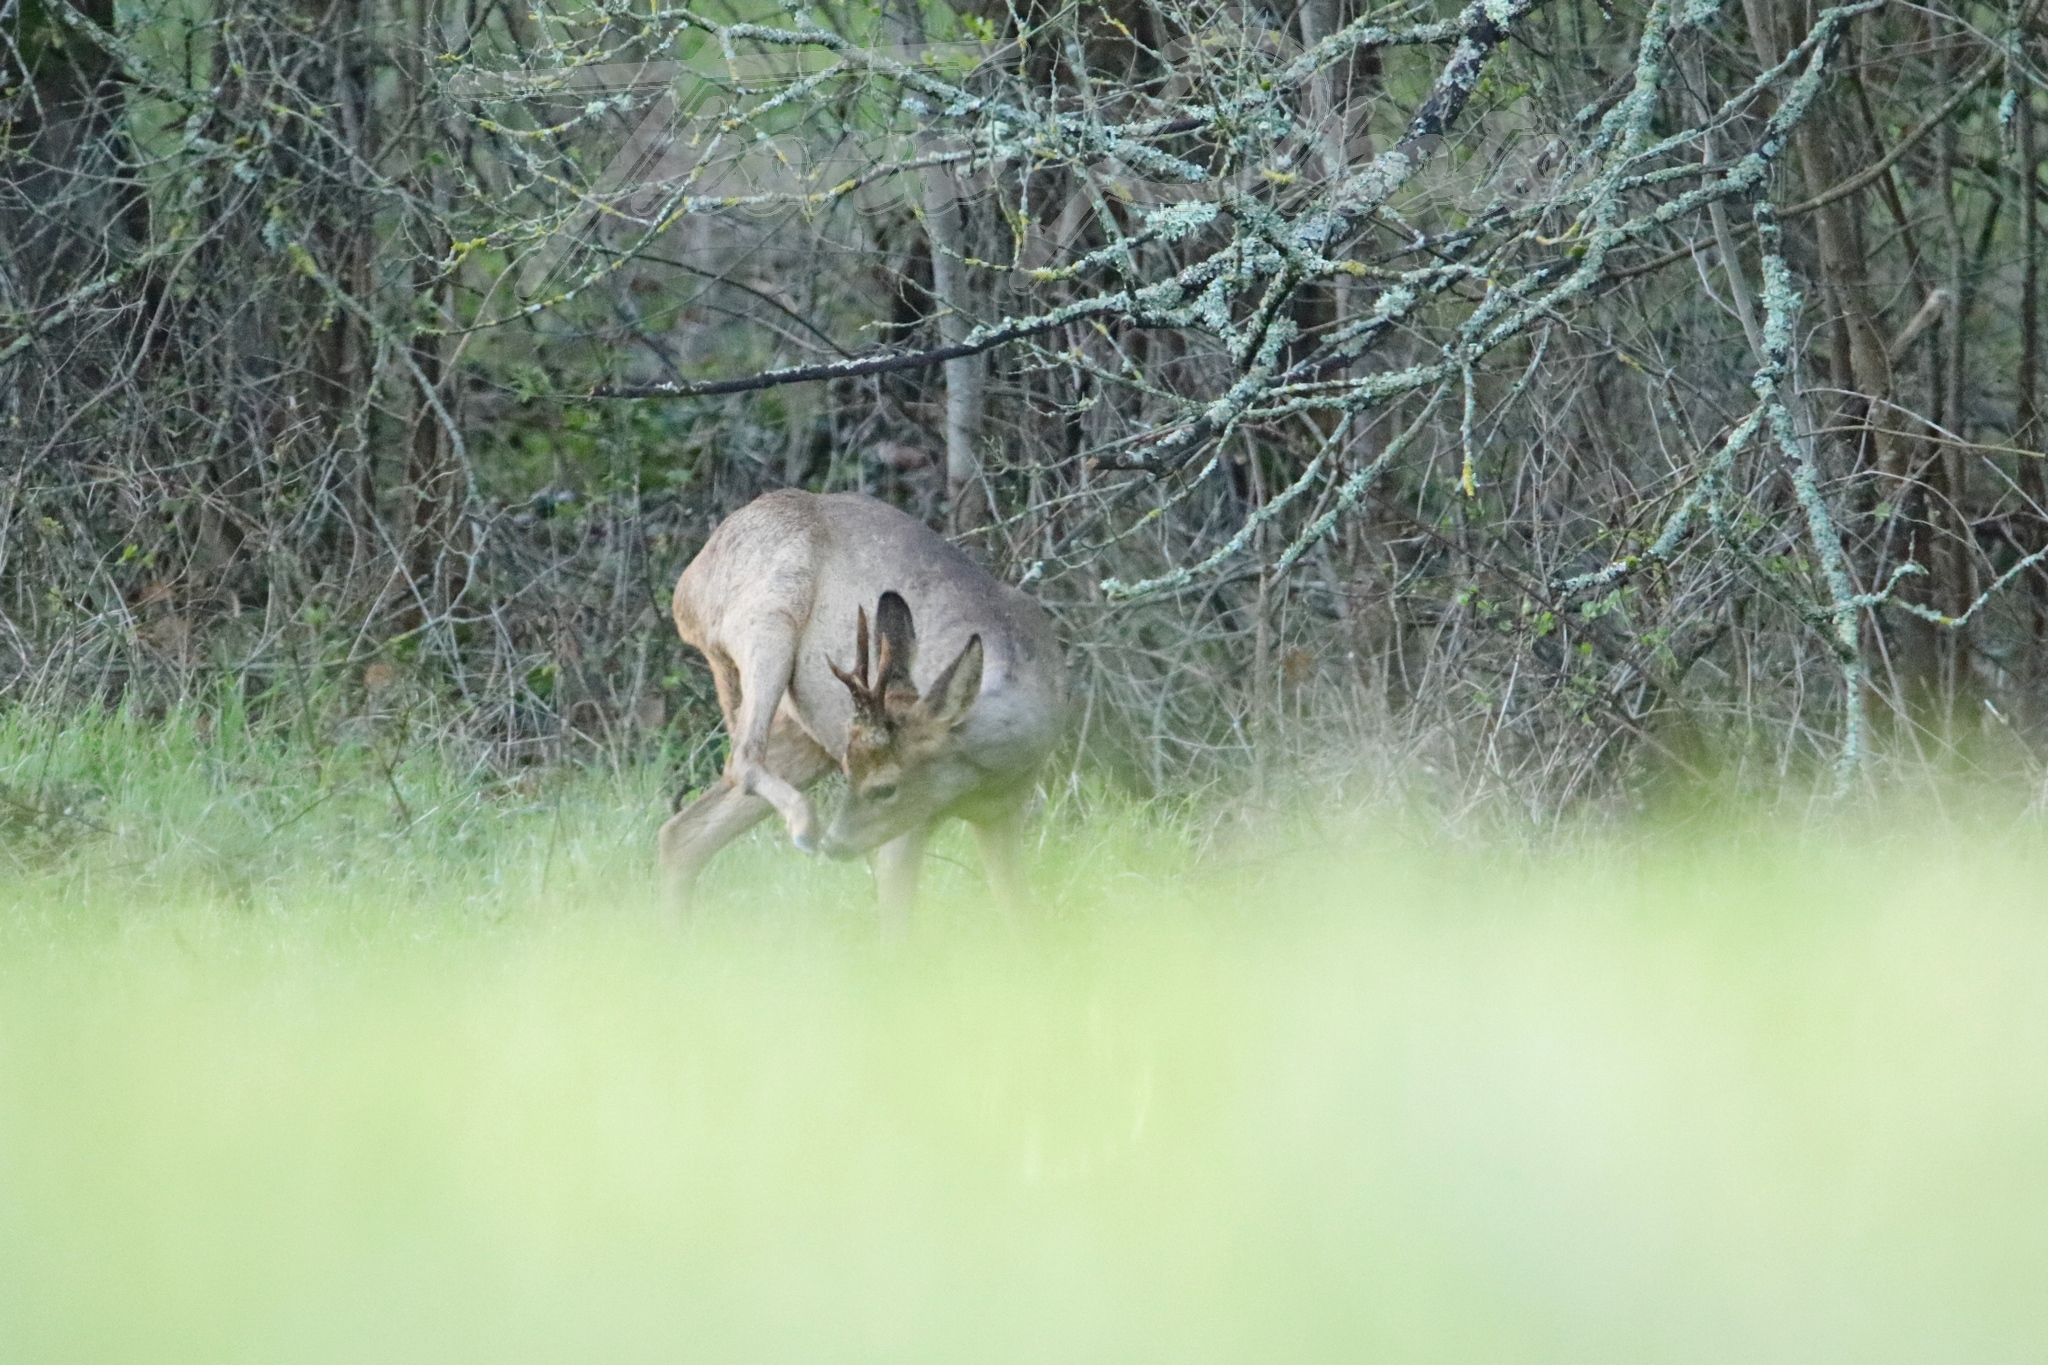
(888, 690)
(867, 698)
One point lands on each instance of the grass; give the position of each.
(354, 1054)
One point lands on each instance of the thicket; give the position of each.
(1521, 394)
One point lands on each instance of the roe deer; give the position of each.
(952, 716)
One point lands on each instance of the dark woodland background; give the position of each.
(302, 305)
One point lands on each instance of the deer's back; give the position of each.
(805, 564)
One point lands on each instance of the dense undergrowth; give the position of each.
(363, 1050)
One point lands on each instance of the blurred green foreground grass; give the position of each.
(328, 1056)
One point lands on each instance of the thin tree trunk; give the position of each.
(342, 373)
(966, 377)
(2026, 423)
(1943, 532)
(436, 481)
(1867, 373)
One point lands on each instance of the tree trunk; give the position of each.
(1866, 370)
(942, 209)
(1943, 530)
(2026, 422)
(966, 377)
(436, 476)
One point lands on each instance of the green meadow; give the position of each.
(354, 1053)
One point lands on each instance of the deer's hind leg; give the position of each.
(694, 834)
(763, 678)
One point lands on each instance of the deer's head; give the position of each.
(903, 762)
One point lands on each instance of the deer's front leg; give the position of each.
(897, 864)
(1001, 842)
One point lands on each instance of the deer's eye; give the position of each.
(885, 792)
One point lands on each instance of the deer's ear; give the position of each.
(898, 645)
(954, 690)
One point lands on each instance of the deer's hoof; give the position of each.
(806, 843)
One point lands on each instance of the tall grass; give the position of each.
(359, 1052)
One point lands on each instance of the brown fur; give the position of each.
(962, 703)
